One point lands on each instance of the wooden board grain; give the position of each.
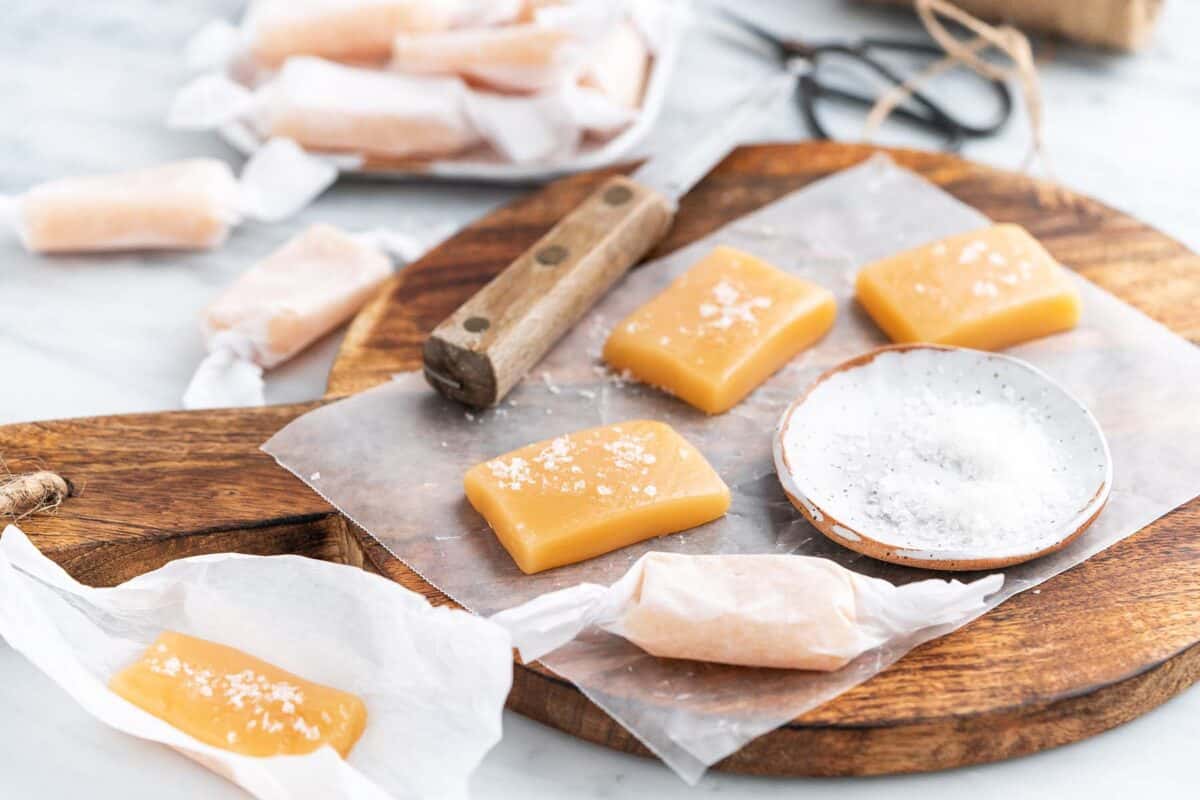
(1095, 647)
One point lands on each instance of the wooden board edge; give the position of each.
(798, 750)
(98, 563)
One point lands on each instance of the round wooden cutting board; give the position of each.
(1095, 647)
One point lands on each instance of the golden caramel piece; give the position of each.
(517, 58)
(988, 289)
(351, 30)
(333, 107)
(300, 292)
(229, 699)
(808, 619)
(721, 329)
(590, 492)
(184, 205)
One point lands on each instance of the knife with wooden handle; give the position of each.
(482, 350)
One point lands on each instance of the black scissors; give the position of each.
(924, 113)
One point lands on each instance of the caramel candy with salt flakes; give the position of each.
(229, 699)
(721, 329)
(577, 496)
(987, 289)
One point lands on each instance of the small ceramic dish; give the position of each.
(943, 458)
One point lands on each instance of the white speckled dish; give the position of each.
(831, 483)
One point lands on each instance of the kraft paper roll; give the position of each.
(1119, 24)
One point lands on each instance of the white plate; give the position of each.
(841, 457)
(493, 169)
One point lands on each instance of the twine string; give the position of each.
(1004, 38)
(22, 495)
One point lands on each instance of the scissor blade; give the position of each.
(674, 173)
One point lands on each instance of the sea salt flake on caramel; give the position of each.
(721, 329)
(232, 700)
(988, 289)
(577, 496)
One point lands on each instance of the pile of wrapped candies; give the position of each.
(520, 81)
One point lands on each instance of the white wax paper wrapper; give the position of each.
(434, 680)
(228, 377)
(280, 179)
(125, 210)
(393, 458)
(790, 612)
(306, 288)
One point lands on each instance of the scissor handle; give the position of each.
(809, 90)
(998, 87)
(931, 115)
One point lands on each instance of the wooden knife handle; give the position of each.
(485, 347)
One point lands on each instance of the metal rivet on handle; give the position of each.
(617, 195)
(552, 255)
(476, 324)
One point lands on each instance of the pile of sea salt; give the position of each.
(961, 472)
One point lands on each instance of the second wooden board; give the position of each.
(1099, 645)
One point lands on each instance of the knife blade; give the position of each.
(478, 353)
(673, 174)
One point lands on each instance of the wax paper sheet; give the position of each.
(433, 679)
(393, 458)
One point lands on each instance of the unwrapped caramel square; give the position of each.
(988, 289)
(577, 496)
(721, 329)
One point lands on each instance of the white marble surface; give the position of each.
(85, 86)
